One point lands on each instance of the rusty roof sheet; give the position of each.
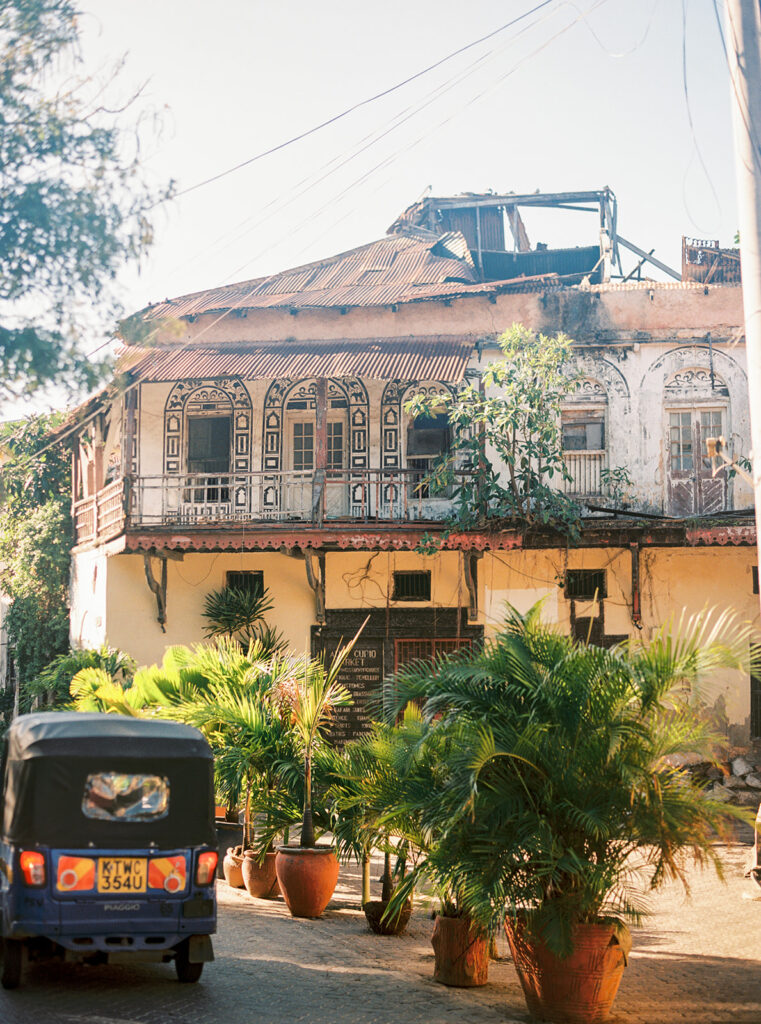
(439, 357)
(397, 268)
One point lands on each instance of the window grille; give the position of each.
(426, 649)
(249, 581)
(583, 584)
(412, 586)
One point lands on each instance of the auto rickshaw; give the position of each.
(108, 850)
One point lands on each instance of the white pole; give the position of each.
(743, 41)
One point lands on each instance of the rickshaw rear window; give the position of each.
(121, 796)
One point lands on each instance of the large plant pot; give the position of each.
(228, 834)
(461, 953)
(232, 866)
(307, 877)
(374, 911)
(578, 989)
(260, 879)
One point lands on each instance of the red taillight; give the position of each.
(33, 868)
(207, 865)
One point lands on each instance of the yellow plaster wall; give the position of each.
(131, 607)
(364, 579)
(671, 580)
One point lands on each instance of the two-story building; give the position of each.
(258, 435)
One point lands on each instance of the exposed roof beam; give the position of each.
(650, 259)
(532, 199)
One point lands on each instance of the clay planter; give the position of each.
(260, 879)
(232, 866)
(374, 911)
(578, 989)
(307, 877)
(462, 953)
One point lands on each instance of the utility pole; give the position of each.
(743, 42)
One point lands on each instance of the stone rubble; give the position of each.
(735, 778)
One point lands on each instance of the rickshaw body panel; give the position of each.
(76, 908)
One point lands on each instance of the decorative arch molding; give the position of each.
(694, 357)
(223, 396)
(347, 393)
(395, 394)
(695, 382)
(588, 390)
(602, 371)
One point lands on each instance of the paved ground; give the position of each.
(696, 960)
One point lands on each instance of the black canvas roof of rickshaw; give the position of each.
(80, 734)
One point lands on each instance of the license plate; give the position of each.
(122, 874)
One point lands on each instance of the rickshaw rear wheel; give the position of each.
(187, 972)
(13, 962)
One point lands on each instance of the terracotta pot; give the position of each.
(374, 911)
(578, 989)
(232, 866)
(260, 879)
(461, 951)
(307, 877)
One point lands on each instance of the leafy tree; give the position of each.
(72, 207)
(35, 543)
(513, 420)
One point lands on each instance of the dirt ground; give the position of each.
(696, 959)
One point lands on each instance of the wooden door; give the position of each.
(692, 487)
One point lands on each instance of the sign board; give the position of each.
(362, 675)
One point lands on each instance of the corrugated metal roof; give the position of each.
(393, 269)
(440, 357)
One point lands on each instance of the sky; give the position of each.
(579, 95)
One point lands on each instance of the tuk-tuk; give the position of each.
(108, 850)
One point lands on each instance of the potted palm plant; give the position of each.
(308, 873)
(558, 809)
(373, 766)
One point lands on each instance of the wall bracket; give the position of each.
(316, 581)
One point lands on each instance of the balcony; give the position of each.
(259, 498)
(586, 472)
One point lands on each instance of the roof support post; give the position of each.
(320, 449)
(470, 562)
(158, 589)
(634, 547)
(316, 581)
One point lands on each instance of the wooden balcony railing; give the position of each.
(363, 495)
(100, 516)
(314, 497)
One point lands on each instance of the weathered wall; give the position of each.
(132, 623)
(90, 578)
(644, 307)
(672, 580)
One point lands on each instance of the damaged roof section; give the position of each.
(438, 249)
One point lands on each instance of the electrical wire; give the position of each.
(595, 6)
(362, 103)
(696, 146)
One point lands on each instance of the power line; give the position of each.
(582, 16)
(361, 103)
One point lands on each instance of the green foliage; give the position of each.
(264, 715)
(240, 614)
(72, 207)
(511, 422)
(556, 772)
(51, 688)
(35, 542)
(617, 483)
